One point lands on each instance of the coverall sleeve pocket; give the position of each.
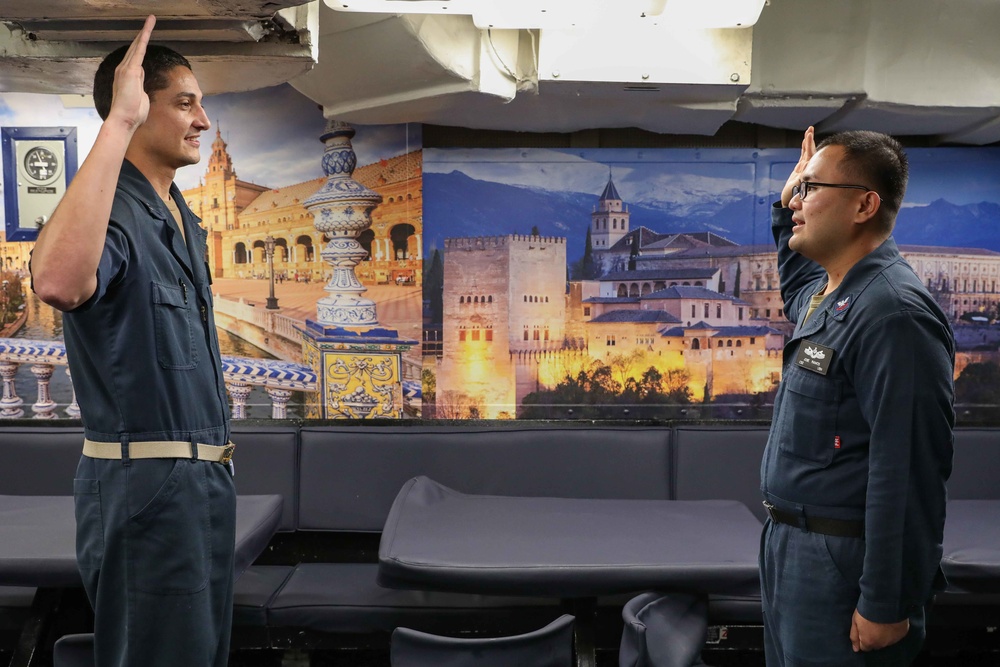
(810, 430)
(172, 313)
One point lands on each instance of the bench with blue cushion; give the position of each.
(349, 477)
(338, 483)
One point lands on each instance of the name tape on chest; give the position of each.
(814, 357)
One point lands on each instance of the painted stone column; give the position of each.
(358, 364)
(44, 407)
(11, 404)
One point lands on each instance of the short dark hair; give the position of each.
(158, 61)
(877, 161)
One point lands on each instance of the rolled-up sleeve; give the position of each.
(114, 262)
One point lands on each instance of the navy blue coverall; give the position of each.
(867, 439)
(155, 537)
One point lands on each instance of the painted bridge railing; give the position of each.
(267, 321)
(290, 328)
(241, 374)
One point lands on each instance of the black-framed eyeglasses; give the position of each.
(803, 188)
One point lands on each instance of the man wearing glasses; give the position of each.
(860, 447)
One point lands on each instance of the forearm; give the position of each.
(795, 272)
(68, 250)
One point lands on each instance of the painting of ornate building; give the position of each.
(14, 256)
(963, 280)
(240, 215)
(692, 301)
(640, 262)
(712, 336)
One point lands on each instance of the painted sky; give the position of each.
(693, 177)
(273, 135)
(640, 176)
(727, 191)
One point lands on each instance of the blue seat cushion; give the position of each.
(254, 591)
(344, 598)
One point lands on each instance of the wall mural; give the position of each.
(632, 284)
(315, 241)
(603, 283)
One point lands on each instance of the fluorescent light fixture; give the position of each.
(405, 6)
(712, 13)
(517, 14)
(507, 14)
(568, 14)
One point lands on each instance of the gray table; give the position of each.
(436, 538)
(38, 549)
(38, 537)
(971, 559)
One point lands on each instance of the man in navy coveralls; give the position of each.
(124, 258)
(861, 441)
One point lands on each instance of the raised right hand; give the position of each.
(129, 102)
(808, 150)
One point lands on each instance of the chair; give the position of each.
(74, 651)
(663, 630)
(551, 646)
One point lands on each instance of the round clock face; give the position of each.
(41, 164)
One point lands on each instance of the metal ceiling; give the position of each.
(910, 67)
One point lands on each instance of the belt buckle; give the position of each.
(227, 454)
(770, 511)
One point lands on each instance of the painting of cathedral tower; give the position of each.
(609, 208)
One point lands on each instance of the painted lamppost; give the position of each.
(358, 362)
(272, 303)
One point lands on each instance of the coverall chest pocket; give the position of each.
(173, 308)
(812, 404)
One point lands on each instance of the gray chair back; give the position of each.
(74, 651)
(552, 646)
(663, 630)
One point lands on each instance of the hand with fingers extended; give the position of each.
(69, 248)
(130, 103)
(808, 150)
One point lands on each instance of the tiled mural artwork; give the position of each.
(502, 283)
(266, 190)
(642, 284)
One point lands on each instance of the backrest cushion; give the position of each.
(975, 474)
(720, 462)
(39, 460)
(350, 476)
(265, 462)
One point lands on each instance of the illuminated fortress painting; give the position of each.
(595, 283)
(643, 284)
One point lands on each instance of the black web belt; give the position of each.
(813, 524)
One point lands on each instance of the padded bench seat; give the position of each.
(255, 590)
(12, 597)
(735, 610)
(344, 598)
(15, 604)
